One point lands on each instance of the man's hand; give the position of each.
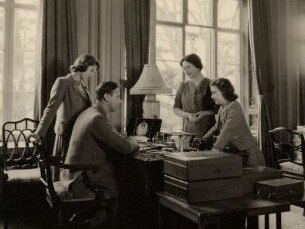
(134, 143)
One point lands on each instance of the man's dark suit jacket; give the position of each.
(93, 139)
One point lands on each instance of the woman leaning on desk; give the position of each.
(193, 99)
(234, 133)
(68, 98)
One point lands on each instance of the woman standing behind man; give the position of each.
(234, 133)
(193, 99)
(68, 98)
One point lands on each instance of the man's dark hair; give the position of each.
(226, 88)
(105, 88)
(194, 59)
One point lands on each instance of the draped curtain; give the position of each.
(276, 64)
(299, 29)
(100, 28)
(59, 47)
(136, 15)
(259, 35)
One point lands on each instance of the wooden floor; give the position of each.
(290, 220)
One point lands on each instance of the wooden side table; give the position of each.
(211, 212)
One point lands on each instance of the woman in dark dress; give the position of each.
(193, 99)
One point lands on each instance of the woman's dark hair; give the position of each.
(105, 88)
(226, 88)
(193, 59)
(82, 63)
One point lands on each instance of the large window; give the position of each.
(213, 29)
(18, 30)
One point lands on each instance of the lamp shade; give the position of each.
(150, 82)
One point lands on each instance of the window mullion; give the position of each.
(184, 22)
(214, 40)
(8, 66)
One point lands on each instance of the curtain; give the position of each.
(300, 43)
(276, 51)
(259, 36)
(59, 47)
(136, 14)
(100, 28)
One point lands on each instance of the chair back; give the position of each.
(47, 162)
(18, 152)
(288, 145)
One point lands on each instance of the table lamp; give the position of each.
(151, 82)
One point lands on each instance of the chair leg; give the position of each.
(5, 223)
(303, 211)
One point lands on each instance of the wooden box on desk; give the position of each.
(202, 165)
(279, 188)
(258, 173)
(205, 190)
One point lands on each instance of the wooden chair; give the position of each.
(67, 211)
(20, 175)
(289, 151)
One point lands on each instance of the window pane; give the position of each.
(228, 62)
(2, 27)
(168, 43)
(171, 73)
(1, 86)
(169, 10)
(200, 41)
(23, 84)
(29, 2)
(171, 122)
(228, 14)
(25, 30)
(200, 12)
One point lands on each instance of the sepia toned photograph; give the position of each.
(152, 114)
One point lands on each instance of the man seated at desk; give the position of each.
(93, 141)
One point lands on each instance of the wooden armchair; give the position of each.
(20, 175)
(289, 149)
(68, 211)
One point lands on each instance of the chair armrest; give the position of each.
(55, 161)
(43, 181)
(283, 160)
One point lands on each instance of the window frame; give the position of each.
(8, 54)
(245, 82)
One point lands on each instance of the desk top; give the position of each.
(252, 206)
(151, 152)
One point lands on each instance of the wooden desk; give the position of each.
(211, 212)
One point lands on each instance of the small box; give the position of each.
(258, 173)
(202, 165)
(202, 191)
(279, 188)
